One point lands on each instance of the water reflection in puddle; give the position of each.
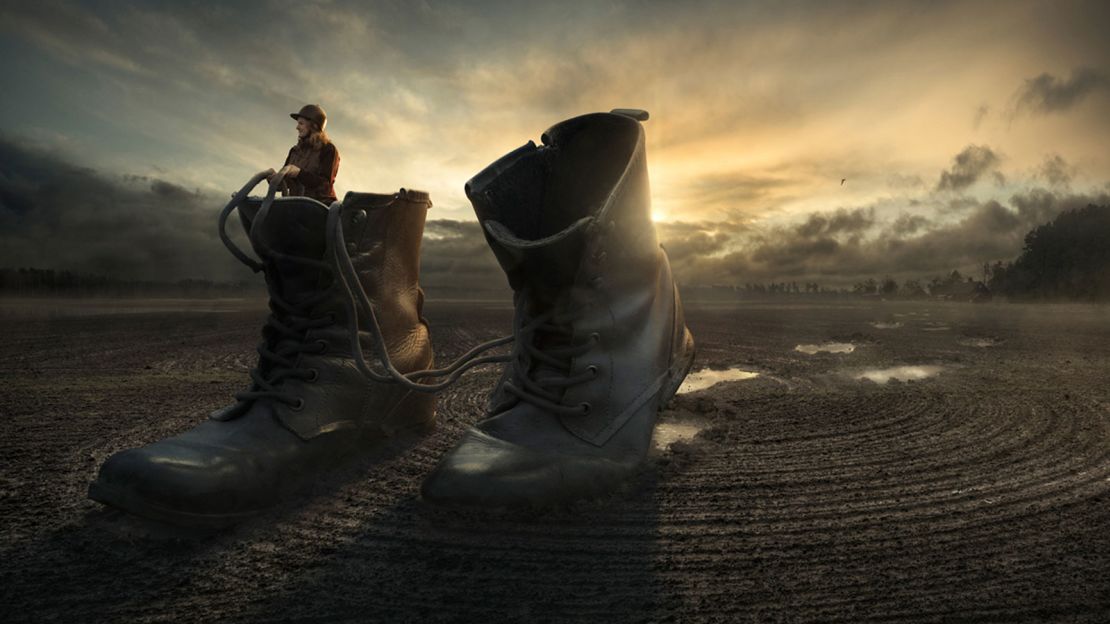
(883, 325)
(828, 347)
(667, 433)
(901, 373)
(700, 380)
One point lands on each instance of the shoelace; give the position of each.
(293, 325)
(287, 326)
(356, 300)
(554, 361)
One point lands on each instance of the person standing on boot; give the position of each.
(314, 159)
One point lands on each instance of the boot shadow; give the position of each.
(594, 560)
(109, 565)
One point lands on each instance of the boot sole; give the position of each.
(125, 500)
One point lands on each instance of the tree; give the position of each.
(1066, 258)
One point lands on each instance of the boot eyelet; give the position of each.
(314, 375)
(596, 337)
(585, 407)
(593, 370)
(322, 346)
(298, 406)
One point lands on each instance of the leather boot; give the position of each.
(601, 343)
(308, 405)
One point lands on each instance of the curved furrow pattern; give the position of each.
(982, 493)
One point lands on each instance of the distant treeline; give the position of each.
(42, 282)
(1066, 258)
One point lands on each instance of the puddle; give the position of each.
(882, 325)
(980, 342)
(667, 433)
(705, 378)
(828, 347)
(936, 328)
(900, 373)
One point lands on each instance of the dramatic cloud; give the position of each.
(456, 261)
(757, 109)
(850, 221)
(1055, 170)
(57, 215)
(911, 247)
(54, 214)
(967, 167)
(980, 114)
(758, 112)
(1048, 94)
(907, 224)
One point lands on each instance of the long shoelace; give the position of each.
(356, 300)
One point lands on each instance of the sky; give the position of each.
(955, 127)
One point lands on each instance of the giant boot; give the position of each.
(308, 406)
(601, 344)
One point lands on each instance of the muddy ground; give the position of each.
(979, 491)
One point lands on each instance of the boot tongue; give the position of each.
(549, 264)
(294, 228)
(290, 228)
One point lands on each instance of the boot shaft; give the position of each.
(382, 234)
(549, 212)
(570, 223)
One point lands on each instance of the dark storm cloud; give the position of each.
(967, 167)
(849, 245)
(455, 259)
(57, 215)
(1055, 171)
(1048, 94)
(907, 224)
(841, 221)
(685, 240)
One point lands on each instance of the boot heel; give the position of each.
(681, 367)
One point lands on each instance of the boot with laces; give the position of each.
(308, 405)
(601, 343)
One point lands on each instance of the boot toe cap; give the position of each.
(484, 471)
(175, 479)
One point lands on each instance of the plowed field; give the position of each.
(953, 464)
